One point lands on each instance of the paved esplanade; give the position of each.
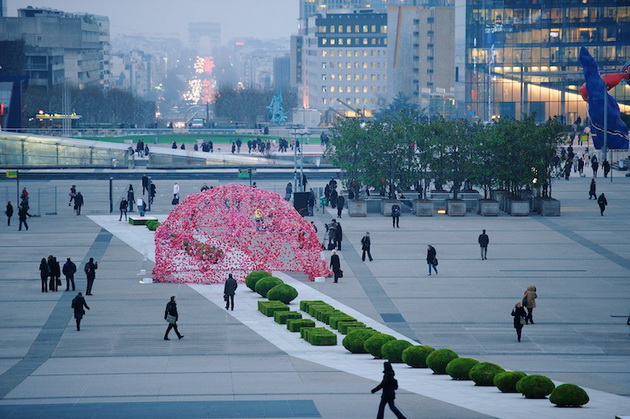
(242, 364)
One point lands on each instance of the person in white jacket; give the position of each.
(176, 191)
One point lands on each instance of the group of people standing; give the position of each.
(50, 272)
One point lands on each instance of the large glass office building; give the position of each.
(515, 57)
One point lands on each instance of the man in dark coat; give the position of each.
(77, 305)
(602, 202)
(333, 197)
(483, 243)
(389, 385)
(331, 230)
(90, 271)
(9, 212)
(145, 183)
(338, 235)
(327, 193)
(594, 165)
(171, 310)
(592, 191)
(606, 167)
(395, 216)
(311, 202)
(366, 243)
(341, 201)
(22, 214)
(78, 203)
(335, 265)
(69, 269)
(229, 290)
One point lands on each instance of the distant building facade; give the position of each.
(61, 46)
(421, 57)
(522, 57)
(282, 73)
(345, 62)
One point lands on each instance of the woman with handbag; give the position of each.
(529, 302)
(518, 312)
(432, 259)
(77, 305)
(171, 316)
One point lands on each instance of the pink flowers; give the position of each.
(234, 229)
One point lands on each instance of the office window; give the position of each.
(365, 28)
(365, 53)
(383, 28)
(323, 65)
(340, 41)
(324, 77)
(365, 89)
(324, 89)
(340, 29)
(349, 29)
(332, 29)
(357, 29)
(324, 41)
(348, 77)
(333, 76)
(365, 65)
(348, 65)
(357, 77)
(324, 101)
(324, 53)
(356, 101)
(332, 41)
(333, 89)
(365, 77)
(374, 28)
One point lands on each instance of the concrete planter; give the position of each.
(518, 208)
(488, 207)
(455, 208)
(440, 195)
(502, 197)
(386, 206)
(357, 208)
(423, 208)
(548, 207)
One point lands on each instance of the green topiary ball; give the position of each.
(535, 386)
(355, 340)
(506, 381)
(483, 374)
(266, 283)
(374, 344)
(393, 350)
(439, 359)
(416, 356)
(568, 395)
(253, 277)
(459, 368)
(283, 292)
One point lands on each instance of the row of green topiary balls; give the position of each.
(270, 287)
(152, 225)
(445, 361)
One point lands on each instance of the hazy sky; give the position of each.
(238, 18)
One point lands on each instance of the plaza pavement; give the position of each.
(242, 364)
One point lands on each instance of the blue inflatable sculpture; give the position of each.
(594, 91)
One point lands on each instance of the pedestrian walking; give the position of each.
(141, 206)
(341, 201)
(311, 202)
(331, 230)
(594, 165)
(229, 290)
(175, 194)
(327, 193)
(44, 273)
(592, 192)
(69, 269)
(366, 243)
(56, 271)
(171, 316)
(152, 193)
(130, 197)
(288, 191)
(123, 209)
(518, 312)
(601, 201)
(395, 216)
(51, 274)
(73, 194)
(9, 212)
(483, 243)
(529, 302)
(606, 167)
(335, 266)
(389, 385)
(90, 271)
(78, 303)
(432, 259)
(174, 145)
(22, 214)
(580, 166)
(338, 235)
(333, 197)
(78, 203)
(145, 183)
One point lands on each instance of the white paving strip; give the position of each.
(486, 400)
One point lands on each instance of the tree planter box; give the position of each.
(455, 208)
(519, 208)
(357, 208)
(423, 208)
(488, 207)
(386, 206)
(502, 198)
(440, 195)
(548, 207)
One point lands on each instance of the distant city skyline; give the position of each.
(264, 19)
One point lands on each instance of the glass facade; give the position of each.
(17, 150)
(522, 56)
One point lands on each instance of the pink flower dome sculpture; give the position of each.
(234, 229)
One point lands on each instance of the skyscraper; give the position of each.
(3, 8)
